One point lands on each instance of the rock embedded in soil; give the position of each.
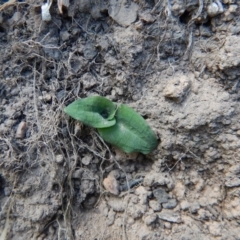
(204, 215)
(184, 205)
(150, 219)
(177, 88)
(168, 225)
(77, 173)
(86, 159)
(161, 195)
(136, 210)
(172, 203)
(194, 207)
(21, 130)
(155, 205)
(147, 17)
(232, 176)
(214, 8)
(59, 158)
(117, 204)
(142, 194)
(170, 216)
(232, 182)
(154, 178)
(7, 191)
(123, 13)
(88, 81)
(89, 51)
(111, 184)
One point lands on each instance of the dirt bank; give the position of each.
(175, 63)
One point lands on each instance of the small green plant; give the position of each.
(117, 124)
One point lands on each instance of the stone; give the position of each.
(170, 216)
(89, 51)
(155, 205)
(123, 14)
(111, 185)
(158, 179)
(184, 205)
(86, 159)
(204, 215)
(161, 195)
(177, 88)
(59, 158)
(77, 173)
(232, 182)
(117, 204)
(213, 211)
(150, 219)
(168, 225)
(64, 35)
(172, 203)
(17, 16)
(21, 130)
(235, 169)
(146, 17)
(214, 8)
(194, 207)
(142, 194)
(136, 210)
(7, 191)
(88, 81)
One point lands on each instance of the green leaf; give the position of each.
(95, 111)
(131, 133)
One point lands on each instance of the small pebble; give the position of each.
(172, 203)
(21, 130)
(111, 185)
(7, 191)
(194, 207)
(155, 205)
(46, 98)
(170, 216)
(167, 225)
(59, 158)
(77, 173)
(117, 204)
(161, 195)
(86, 159)
(150, 219)
(184, 205)
(146, 17)
(177, 88)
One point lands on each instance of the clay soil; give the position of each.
(177, 64)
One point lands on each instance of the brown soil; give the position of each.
(174, 62)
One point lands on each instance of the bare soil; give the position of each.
(177, 64)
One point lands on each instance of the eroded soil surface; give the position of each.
(177, 64)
